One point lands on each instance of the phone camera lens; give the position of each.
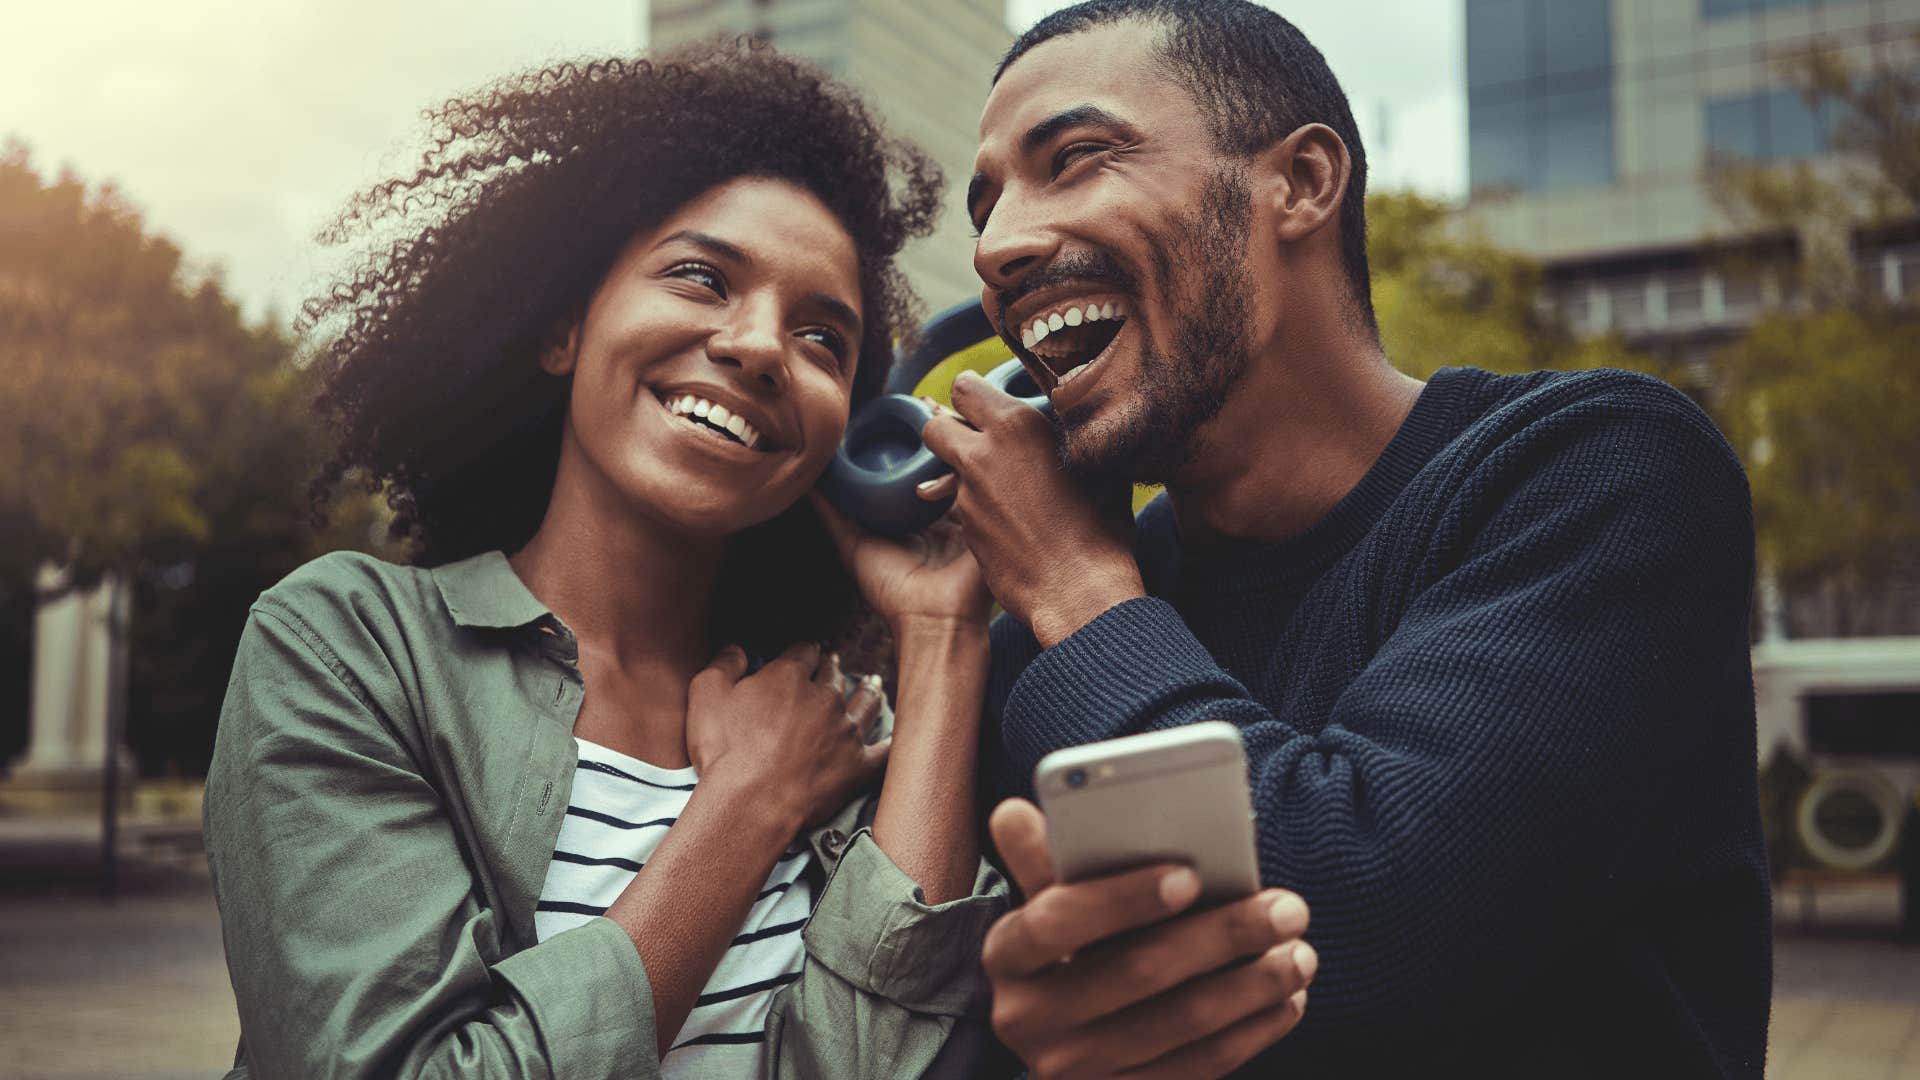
(1076, 778)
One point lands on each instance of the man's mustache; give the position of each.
(1092, 267)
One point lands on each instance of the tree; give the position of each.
(1822, 396)
(146, 431)
(1446, 297)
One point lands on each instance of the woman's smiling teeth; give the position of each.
(713, 417)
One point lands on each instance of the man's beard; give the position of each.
(1200, 261)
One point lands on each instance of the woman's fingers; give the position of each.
(940, 487)
(863, 708)
(728, 665)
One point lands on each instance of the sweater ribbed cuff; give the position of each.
(1134, 668)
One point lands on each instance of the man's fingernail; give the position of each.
(1305, 960)
(1287, 913)
(966, 373)
(927, 485)
(1178, 889)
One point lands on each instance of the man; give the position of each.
(1485, 638)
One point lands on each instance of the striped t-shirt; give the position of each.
(620, 809)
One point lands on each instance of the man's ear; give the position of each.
(1306, 175)
(562, 350)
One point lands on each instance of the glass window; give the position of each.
(1576, 139)
(1711, 8)
(1733, 128)
(1629, 302)
(1793, 130)
(1907, 266)
(1574, 306)
(1498, 42)
(1741, 292)
(1497, 152)
(1575, 36)
(1686, 299)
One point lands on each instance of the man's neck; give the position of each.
(1298, 432)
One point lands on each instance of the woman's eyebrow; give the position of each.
(836, 309)
(713, 244)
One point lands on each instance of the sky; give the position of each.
(238, 127)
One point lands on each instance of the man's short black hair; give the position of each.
(1258, 79)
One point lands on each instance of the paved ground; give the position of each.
(135, 989)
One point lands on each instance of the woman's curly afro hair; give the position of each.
(527, 192)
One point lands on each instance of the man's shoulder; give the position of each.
(1549, 418)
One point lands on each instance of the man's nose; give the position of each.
(1014, 242)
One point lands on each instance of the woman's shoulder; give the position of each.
(344, 589)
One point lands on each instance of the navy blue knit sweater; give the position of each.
(1499, 712)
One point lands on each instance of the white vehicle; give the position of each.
(1850, 709)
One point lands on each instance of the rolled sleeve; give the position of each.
(606, 1033)
(873, 928)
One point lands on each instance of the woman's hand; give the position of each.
(927, 577)
(784, 737)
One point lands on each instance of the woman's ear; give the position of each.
(1307, 180)
(562, 350)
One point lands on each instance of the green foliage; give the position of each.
(146, 429)
(1826, 407)
(1446, 297)
(1822, 397)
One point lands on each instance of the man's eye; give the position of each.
(700, 274)
(1074, 152)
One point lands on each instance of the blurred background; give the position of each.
(1721, 192)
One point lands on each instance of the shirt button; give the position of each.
(833, 841)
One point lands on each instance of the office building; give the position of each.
(925, 66)
(1592, 129)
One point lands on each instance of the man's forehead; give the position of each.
(1116, 67)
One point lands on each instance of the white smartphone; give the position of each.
(1178, 795)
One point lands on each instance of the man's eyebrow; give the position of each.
(725, 250)
(1041, 133)
(1079, 116)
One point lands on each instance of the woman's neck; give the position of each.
(635, 594)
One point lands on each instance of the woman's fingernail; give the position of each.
(1178, 888)
(927, 485)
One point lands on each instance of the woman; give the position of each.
(525, 808)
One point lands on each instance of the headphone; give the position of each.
(881, 460)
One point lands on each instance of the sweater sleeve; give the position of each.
(1518, 758)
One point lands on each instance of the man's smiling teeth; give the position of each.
(1072, 316)
(699, 408)
(1075, 373)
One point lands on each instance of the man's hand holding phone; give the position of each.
(1117, 976)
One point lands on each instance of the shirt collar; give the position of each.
(484, 591)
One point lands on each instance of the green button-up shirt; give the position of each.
(393, 763)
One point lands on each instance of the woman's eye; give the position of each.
(828, 339)
(700, 274)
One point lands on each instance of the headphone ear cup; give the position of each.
(879, 465)
(1014, 378)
